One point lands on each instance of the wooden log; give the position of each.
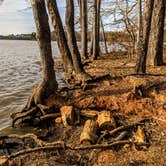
(4, 161)
(88, 134)
(106, 120)
(89, 113)
(139, 138)
(67, 113)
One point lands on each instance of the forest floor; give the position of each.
(130, 98)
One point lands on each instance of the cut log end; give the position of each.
(67, 113)
(89, 132)
(106, 121)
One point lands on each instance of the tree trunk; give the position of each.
(91, 43)
(72, 40)
(84, 28)
(48, 84)
(143, 46)
(60, 36)
(104, 37)
(96, 29)
(140, 27)
(155, 52)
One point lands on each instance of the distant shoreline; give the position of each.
(31, 36)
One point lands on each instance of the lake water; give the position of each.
(20, 71)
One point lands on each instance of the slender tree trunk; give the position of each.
(96, 29)
(60, 36)
(72, 40)
(155, 52)
(104, 37)
(143, 46)
(91, 43)
(84, 28)
(48, 84)
(140, 27)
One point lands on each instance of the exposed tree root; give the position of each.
(22, 115)
(50, 116)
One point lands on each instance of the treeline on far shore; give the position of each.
(120, 36)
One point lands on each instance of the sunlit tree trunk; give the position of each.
(143, 46)
(155, 52)
(72, 40)
(60, 36)
(104, 37)
(48, 84)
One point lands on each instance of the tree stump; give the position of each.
(4, 161)
(88, 134)
(67, 113)
(106, 120)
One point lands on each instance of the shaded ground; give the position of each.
(113, 90)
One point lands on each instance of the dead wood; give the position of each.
(121, 128)
(67, 113)
(106, 120)
(22, 115)
(89, 113)
(50, 116)
(63, 146)
(89, 132)
(102, 146)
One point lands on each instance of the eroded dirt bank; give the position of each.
(136, 136)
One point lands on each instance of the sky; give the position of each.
(17, 18)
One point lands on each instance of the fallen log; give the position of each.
(67, 113)
(89, 113)
(88, 134)
(106, 120)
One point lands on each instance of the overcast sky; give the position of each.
(15, 20)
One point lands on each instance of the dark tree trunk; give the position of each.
(143, 45)
(80, 73)
(60, 36)
(96, 29)
(155, 52)
(84, 28)
(48, 84)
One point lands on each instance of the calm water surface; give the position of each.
(19, 73)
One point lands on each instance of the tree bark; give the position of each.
(84, 28)
(72, 41)
(143, 45)
(60, 36)
(155, 52)
(91, 43)
(48, 84)
(96, 29)
(104, 37)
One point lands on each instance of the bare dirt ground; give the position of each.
(129, 98)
